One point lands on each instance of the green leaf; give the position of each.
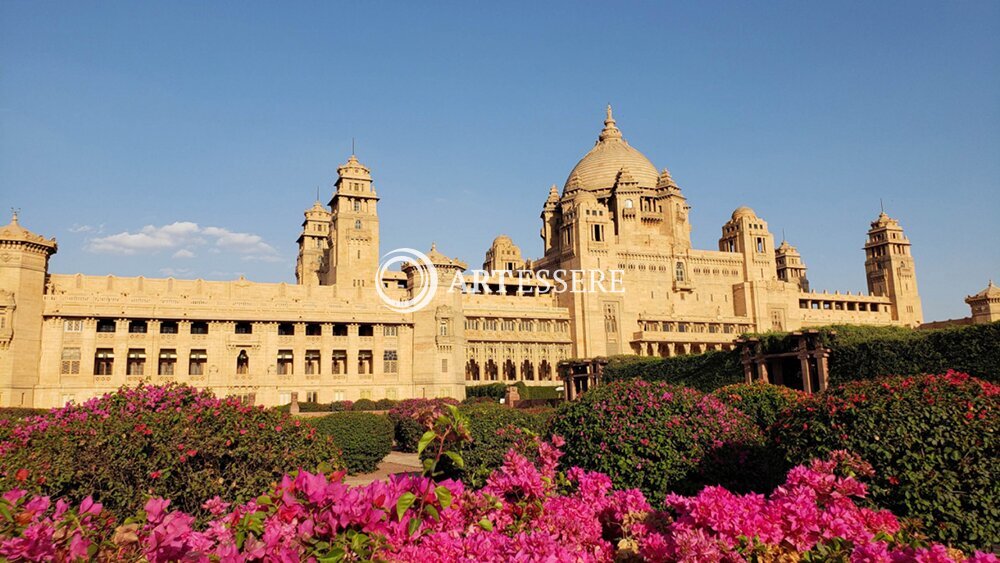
(486, 525)
(433, 512)
(456, 459)
(404, 503)
(425, 440)
(413, 525)
(264, 500)
(443, 495)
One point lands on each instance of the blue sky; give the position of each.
(220, 120)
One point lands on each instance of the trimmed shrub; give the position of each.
(364, 438)
(173, 441)
(495, 429)
(933, 441)
(661, 438)
(704, 372)
(403, 416)
(494, 391)
(341, 406)
(363, 405)
(762, 402)
(384, 404)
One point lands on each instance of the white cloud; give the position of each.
(175, 272)
(80, 228)
(182, 236)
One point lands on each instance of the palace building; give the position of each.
(69, 337)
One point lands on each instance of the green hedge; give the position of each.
(495, 391)
(859, 352)
(539, 392)
(704, 372)
(364, 438)
(856, 353)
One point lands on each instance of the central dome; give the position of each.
(599, 168)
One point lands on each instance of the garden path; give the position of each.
(395, 462)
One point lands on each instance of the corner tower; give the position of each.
(354, 227)
(24, 266)
(890, 270)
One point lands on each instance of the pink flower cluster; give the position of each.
(526, 512)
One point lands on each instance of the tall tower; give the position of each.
(24, 265)
(354, 228)
(890, 270)
(314, 242)
(791, 269)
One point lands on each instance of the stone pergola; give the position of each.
(580, 375)
(807, 364)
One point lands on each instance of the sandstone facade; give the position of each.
(330, 337)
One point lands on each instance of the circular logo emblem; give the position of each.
(424, 288)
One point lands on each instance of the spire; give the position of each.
(13, 216)
(665, 180)
(553, 193)
(610, 130)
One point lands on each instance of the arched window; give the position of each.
(628, 204)
(357, 224)
(679, 272)
(357, 205)
(242, 363)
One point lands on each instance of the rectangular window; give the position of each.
(285, 359)
(199, 327)
(366, 394)
(338, 365)
(70, 361)
(168, 359)
(312, 397)
(196, 366)
(104, 361)
(73, 325)
(390, 362)
(390, 393)
(137, 327)
(444, 365)
(106, 325)
(338, 395)
(312, 362)
(168, 327)
(389, 330)
(136, 361)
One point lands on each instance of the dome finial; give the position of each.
(610, 130)
(13, 215)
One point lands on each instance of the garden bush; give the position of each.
(364, 438)
(17, 413)
(384, 404)
(934, 441)
(661, 438)
(341, 406)
(404, 419)
(494, 391)
(762, 402)
(173, 441)
(363, 405)
(495, 429)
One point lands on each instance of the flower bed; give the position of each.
(171, 441)
(526, 512)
